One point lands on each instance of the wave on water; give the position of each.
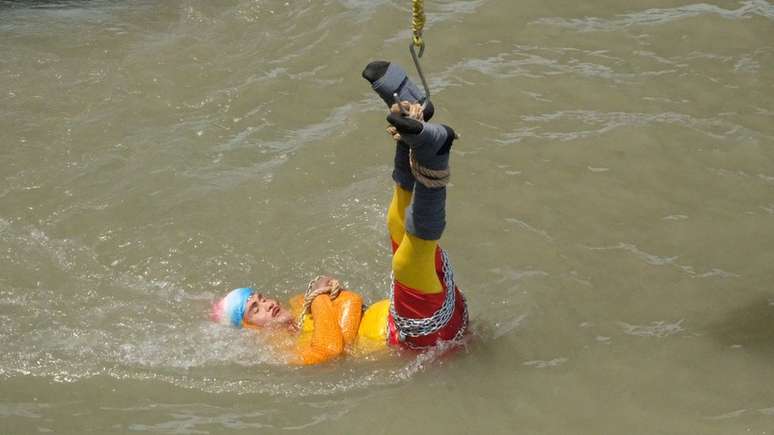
(654, 17)
(606, 122)
(656, 260)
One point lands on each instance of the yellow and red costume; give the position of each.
(420, 289)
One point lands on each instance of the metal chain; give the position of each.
(409, 327)
(464, 327)
(460, 332)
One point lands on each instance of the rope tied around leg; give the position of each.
(332, 289)
(429, 177)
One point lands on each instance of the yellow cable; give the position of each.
(418, 22)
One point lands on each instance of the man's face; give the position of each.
(265, 312)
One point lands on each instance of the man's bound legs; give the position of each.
(414, 253)
(414, 263)
(416, 218)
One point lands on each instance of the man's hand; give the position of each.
(408, 120)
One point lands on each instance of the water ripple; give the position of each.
(542, 233)
(542, 364)
(605, 122)
(655, 17)
(21, 409)
(657, 329)
(657, 260)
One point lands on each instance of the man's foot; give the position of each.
(430, 142)
(388, 79)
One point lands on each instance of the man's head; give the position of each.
(245, 307)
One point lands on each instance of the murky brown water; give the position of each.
(611, 216)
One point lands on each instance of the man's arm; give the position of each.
(349, 308)
(327, 341)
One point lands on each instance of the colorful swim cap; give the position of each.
(231, 309)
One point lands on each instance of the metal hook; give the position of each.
(415, 57)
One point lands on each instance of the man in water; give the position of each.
(424, 306)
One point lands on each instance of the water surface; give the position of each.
(611, 214)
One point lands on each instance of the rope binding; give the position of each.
(332, 289)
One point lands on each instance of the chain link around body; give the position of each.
(332, 289)
(408, 327)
